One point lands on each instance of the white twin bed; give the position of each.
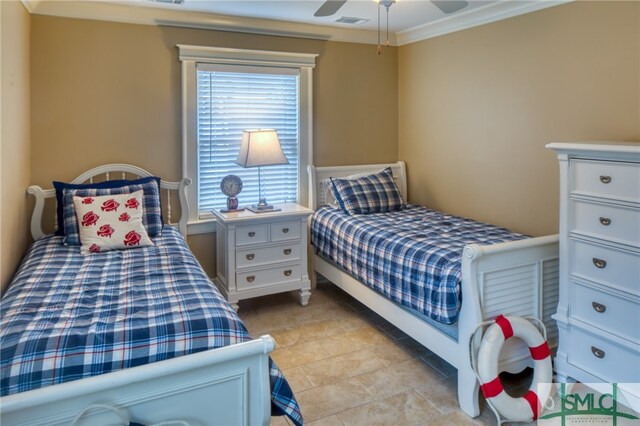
(229, 385)
(511, 278)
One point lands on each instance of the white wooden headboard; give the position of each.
(117, 171)
(319, 174)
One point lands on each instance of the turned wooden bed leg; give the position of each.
(468, 390)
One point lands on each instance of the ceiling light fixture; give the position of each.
(387, 4)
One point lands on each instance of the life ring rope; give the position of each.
(503, 405)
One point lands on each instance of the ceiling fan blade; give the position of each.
(329, 7)
(450, 6)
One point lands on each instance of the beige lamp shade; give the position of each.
(260, 148)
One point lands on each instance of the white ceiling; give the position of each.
(403, 15)
(409, 20)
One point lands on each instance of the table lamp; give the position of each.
(259, 148)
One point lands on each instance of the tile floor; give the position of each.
(348, 366)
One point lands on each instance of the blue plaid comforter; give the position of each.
(68, 316)
(412, 256)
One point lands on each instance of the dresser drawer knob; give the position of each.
(605, 179)
(288, 272)
(251, 278)
(251, 256)
(599, 308)
(605, 221)
(287, 252)
(599, 353)
(252, 234)
(285, 230)
(600, 263)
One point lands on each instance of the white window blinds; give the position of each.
(231, 99)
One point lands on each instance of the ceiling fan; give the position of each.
(329, 7)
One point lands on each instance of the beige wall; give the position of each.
(109, 92)
(477, 107)
(15, 135)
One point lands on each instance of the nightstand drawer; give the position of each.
(282, 231)
(619, 224)
(267, 277)
(617, 268)
(250, 257)
(604, 358)
(616, 315)
(253, 234)
(608, 179)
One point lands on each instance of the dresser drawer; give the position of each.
(282, 231)
(619, 224)
(253, 234)
(607, 179)
(250, 257)
(602, 357)
(616, 315)
(268, 276)
(616, 268)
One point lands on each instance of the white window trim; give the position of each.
(191, 56)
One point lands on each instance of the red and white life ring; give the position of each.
(529, 406)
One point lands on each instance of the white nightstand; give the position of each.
(262, 253)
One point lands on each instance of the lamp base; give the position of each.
(262, 208)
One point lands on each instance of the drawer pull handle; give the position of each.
(605, 179)
(287, 252)
(600, 263)
(599, 353)
(251, 278)
(252, 234)
(599, 308)
(285, 230)
(605, 221)
(251, 256)
(288, 272)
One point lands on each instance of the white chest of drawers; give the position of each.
(262, 253)
(599, 306)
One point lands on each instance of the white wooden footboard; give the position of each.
(225, 386)
(514, 278)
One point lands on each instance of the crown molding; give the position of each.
(149, 15)
(30, 5)
(475, 17)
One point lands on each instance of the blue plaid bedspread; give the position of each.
(68, 316)
(412, 256)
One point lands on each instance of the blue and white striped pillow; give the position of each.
(375, 193)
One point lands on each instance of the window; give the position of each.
(230, 101)
(226, 91)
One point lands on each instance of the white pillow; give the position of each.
(329, 197)
(111, 222)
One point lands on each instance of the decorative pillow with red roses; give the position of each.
(111, 222)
